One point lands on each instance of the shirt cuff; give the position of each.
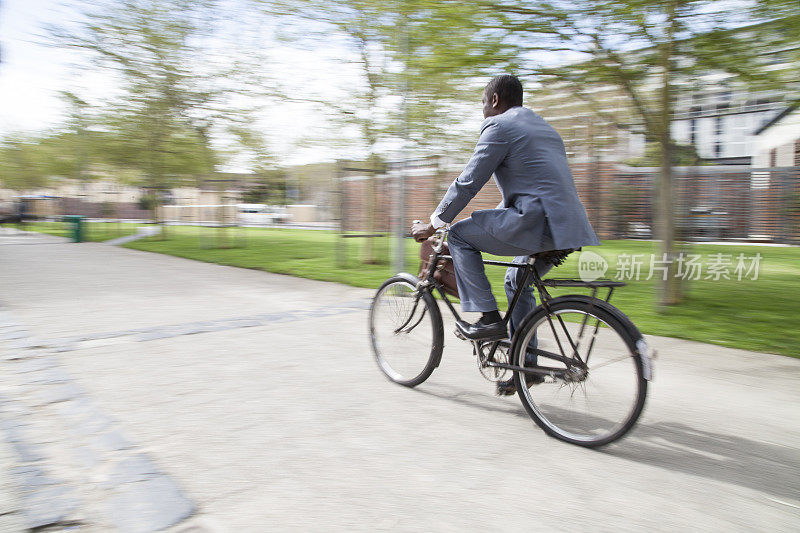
(437, 222)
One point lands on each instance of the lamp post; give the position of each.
(399, 248)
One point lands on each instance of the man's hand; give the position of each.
(421, 230)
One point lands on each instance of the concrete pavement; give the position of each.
(144, 391)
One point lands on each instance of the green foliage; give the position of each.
(356, 24)
(791, 203)
(781, 36)
(682, 156)
(269, 187)
(147, 202)
(642, 48)
(407, 90)
(33, 160)
(24, 164)
(622, 203)
(175, 89)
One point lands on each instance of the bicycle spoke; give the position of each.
(406, 332)
(421, 316)
(578, 404)
(410, 316)
(591, 343)
(617, 360)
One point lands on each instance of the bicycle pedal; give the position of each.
(459, 335)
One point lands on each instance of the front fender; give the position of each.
(411, 278)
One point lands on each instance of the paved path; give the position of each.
(143, 391)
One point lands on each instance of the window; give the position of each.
(705, 137)
(681, 131)
(734, 136)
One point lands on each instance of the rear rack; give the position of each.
(581, 283)
(594, 285)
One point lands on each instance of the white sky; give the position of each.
(30, 74)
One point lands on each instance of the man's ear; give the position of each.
(495, 100)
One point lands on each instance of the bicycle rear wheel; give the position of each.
(598, 399)
(406, 331)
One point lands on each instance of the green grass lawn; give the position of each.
(93, 231)
(749, 314)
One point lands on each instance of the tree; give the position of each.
(781, 34)
(269, 181)
(683, 155)
(175, 84)
(77, 126)
(648, 51)
(268, 187)
(390, 44)
(24, 163)
(405, 95)
(355, 24)
(30, 161)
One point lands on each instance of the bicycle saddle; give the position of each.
(555, 257)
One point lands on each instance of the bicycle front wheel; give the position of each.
(406, 331)
(596, 387)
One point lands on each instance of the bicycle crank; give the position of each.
(491, 373)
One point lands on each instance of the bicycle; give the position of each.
(590, 349)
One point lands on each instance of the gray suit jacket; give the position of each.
(529, 162)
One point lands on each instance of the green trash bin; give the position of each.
(76, 228)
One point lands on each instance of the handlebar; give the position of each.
(440, 232)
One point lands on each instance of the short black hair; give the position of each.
(508, 89)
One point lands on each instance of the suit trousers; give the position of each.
(467, 240)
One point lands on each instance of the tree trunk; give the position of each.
(369, 248)
(665, 225)
(341, 250)
(157, 217)
(668, 289)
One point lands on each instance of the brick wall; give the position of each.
(127, 210)
(423, 193)
(711, 202)
(797, 154)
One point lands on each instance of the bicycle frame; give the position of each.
(428, 282)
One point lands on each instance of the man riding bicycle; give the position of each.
(540, 210)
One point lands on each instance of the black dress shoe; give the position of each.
(507, 387)
(481, 331)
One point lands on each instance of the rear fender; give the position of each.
(640, 345)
